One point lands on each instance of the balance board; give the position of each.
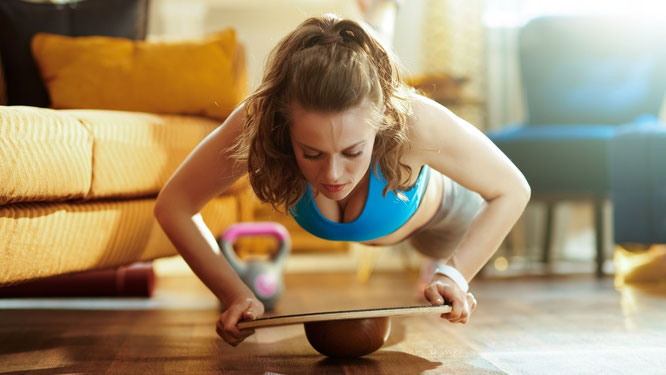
(281, 320)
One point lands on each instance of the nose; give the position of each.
(334, 170)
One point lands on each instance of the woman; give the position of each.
(333, 136)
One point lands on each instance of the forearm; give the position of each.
(197, 245)
(486, 233)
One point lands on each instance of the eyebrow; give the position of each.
(344, 149)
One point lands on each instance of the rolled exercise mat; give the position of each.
(135, 280)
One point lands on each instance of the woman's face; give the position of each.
(333, 150)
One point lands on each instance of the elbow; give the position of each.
(518, 192)
(160, 208)
(171, 205)
(524, 191)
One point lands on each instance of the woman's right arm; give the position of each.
(206, 173)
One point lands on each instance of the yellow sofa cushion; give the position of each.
(135, 153)
(46, 239)
(205, 77)
(45, 155)
(55, 155)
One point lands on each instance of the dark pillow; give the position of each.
(21, 20)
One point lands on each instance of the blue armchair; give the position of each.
(583, 78)
(638, 185)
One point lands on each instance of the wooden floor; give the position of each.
(572, 325)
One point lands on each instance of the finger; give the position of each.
(471, 301)
(461, 319)
(219, 329)
(249, 315)
(457, 303)
(230, 322)
(226, 337)
(254, 310)
(246, 333)
(464, 315)
(432, 294)
(232, 332)
(234, 340)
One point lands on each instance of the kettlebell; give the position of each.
(264, 278)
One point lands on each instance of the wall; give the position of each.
(430, 36)
(259, 24)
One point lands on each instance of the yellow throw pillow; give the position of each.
(205, 77)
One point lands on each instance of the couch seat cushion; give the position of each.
(45, 155)
(135, 153)
(46, 239)
(56, 155)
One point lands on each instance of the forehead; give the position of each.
(339, 129)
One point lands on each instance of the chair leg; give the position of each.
(601, 236)
(548, 233)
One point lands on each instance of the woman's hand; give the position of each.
(442, 289)
(241, 308)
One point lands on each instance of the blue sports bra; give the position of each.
(380, 216)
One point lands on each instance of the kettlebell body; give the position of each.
(264, 278)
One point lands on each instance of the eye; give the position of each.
(353, 155)
(312, 157)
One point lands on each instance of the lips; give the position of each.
(334, 188)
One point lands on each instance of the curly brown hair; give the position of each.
(326, 64)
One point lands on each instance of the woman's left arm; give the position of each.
(460, 151)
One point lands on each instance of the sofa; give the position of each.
(78, 186)
(78, 179)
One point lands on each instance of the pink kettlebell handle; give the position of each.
(256, 229)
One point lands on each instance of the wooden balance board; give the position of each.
(281, 320)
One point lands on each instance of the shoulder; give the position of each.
(209, 170)
(427, 113)
(225, 135)
(428, 122)
(236, 119)
(436, 133)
